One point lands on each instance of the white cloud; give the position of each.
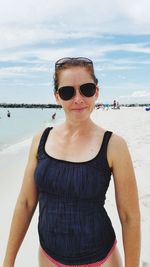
(139, 96)
(141, 93)
(36, 33)
(28, 22)
(136, 10)
(98, 52)
(62, 11)
(21, 71)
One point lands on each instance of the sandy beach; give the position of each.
(131, 123)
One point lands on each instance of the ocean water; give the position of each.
(24, 122)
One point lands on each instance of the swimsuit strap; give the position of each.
(43, 141)
(103, 150)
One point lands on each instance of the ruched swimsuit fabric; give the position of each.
(74, 227)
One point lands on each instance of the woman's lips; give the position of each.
(79, 109)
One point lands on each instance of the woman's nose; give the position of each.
(78, 98)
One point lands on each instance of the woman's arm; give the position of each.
(127, 200)
(25, 207)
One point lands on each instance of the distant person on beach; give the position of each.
(118, 105)
(114, 104)
(68, 174)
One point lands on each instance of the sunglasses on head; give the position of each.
(65, 60)
(68, 92)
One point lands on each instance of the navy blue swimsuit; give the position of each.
(74, 227)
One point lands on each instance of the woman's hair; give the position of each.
(73, 62)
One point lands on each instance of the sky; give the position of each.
(115, 34)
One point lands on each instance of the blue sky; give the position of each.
(115, 34)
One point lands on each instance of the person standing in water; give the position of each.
(8, 114)
(53, 116)
(68, 173)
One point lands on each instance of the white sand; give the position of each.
(131, 123)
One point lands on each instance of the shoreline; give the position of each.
(24, 123)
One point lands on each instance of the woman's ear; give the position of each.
(97, 92)
(57, 98)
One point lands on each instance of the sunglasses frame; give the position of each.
(82, 86)
(65, 60)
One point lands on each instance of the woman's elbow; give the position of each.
(130, 218)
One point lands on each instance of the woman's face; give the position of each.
(79, 107)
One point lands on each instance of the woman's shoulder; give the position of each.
(118, 142)
(36, 139)
(117, 149)
(118, 146)
(37, 136)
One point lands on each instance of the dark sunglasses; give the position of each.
(68, 92)
(65, 60)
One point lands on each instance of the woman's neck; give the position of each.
(78, 127)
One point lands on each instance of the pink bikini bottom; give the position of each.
(96, 264)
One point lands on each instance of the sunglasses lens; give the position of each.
(88, 89)
(66, 92)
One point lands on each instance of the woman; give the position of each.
(68, 172)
